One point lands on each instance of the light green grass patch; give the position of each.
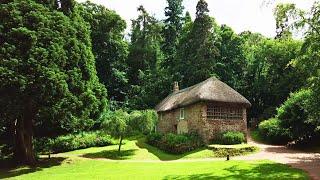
(139, 150)
(80, 168)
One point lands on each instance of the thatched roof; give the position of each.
(209, 90)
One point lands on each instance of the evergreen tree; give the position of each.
(47, 73)
(144, 59)
(109, 48)
(172, 30)
(197, 52)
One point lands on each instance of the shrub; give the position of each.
(72, 142)
(223, 151)
(145, 120)
(295, 117)
(272, 131)
(154, 138)
(175, 143)
(231, 137)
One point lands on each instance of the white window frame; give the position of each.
(182, 114)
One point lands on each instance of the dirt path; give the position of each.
(308, 161)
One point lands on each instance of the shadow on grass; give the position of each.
(111, 154)
(161, 154)
(258, 171)
(12, 170)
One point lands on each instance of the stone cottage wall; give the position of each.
(212, 128)
(196, 121)
(170, 119)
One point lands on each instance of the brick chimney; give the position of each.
(175, 86)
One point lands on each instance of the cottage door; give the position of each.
(182, 127)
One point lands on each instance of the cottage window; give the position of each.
(223, 113)
(181, 113)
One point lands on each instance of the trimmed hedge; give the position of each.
(175, 143)
(232, 151)
(72, 142)
(272, 131)
(231, 137)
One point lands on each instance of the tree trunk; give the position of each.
(24, 152)
(120, 143)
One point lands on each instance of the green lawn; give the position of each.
(93, 163)
(137, 149)
(80, 168)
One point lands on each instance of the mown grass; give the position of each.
(137, 149)
(83, 164)
(80, 168)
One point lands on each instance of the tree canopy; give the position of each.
(64, 65)
(48, 75)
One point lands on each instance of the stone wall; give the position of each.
(196, 121)
(170, 121)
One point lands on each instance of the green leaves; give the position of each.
(116, 124)
(109, 48)
(47, 57)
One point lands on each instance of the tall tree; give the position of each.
(286, 16)
(144, 58)
(145, 45)
(47, 73)
(270, 75)
(172, 30)
(109, 48)
(310, 61)
(197, 51)
(231, 63)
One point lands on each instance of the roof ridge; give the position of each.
(212, 89)
(195, 85)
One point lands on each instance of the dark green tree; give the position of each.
(172, 30)
(47, 73)
(144, 58)
(197, 51)
(270, 75)
(109, 48)
(231, 64)
(309, 62)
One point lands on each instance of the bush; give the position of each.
(72, 142)
(145, 120)
(175, 143)
(272, 131)
(295, 117)
(234, 150)
(231, 137)
(154, 138)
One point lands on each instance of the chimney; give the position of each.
(175, 86)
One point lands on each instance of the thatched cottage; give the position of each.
(207, 108)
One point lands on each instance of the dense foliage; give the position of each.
(58, 60)
(48, 77)
(236, 150)
(109, 48)
(175, 143)
(120, 124)
(272, 131)
(231, 137)
(294, 115)
(71, 142)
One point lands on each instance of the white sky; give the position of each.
(241, 15)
